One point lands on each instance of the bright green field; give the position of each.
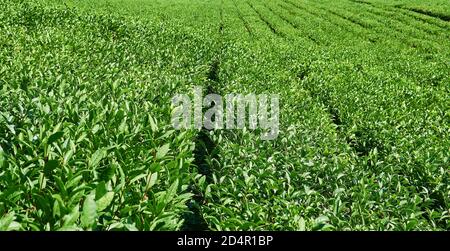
(86, 141)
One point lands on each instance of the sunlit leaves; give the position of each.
(7, 223)
(86, 142)
(2, 157)
(96, 157)
(85, 112)
(89, 213)
(70, 220)
(162, 151)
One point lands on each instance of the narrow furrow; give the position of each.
(205, 148)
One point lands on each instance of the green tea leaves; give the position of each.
(104, 201)
(7, 222)
(89, 213)
(71, 218)
(162, 151)
(87, 141)
(2, 157)
(54, 137)
(172, 191)
(97, 157)
(103, 197)
(151, 180)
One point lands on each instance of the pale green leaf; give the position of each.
(71, 218)
(2, 157)
(6, 220)
(97, 157)
(89, 213)
(162, 151)
(152, 178)
(104, 201)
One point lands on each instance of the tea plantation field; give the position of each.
(86, 140)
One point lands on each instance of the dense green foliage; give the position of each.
(85, 134)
